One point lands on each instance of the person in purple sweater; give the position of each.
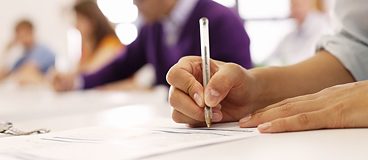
(171, 31)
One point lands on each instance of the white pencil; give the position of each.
(205, 53)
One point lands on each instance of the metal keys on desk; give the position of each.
(7, 128)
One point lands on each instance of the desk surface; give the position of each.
(41, 108)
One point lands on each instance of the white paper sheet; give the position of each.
(111, 143)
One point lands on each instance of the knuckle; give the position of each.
(183, 59)
(303, 119)
(173, 97)
(357, 84)
(233, 66)
(170, 76)
(286, 108)
(339, 116)
(191, 88)
(281, 125)
(189, 85)
(198, 116)
(186, 59)
(331, 89)
(259, 117)
(175, 116)
(285, 101)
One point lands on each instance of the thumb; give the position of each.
(221, 83)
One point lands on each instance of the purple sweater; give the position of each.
(228, 41)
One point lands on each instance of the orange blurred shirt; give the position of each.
(106, 51)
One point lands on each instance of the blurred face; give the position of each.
(24, 36)
(84, 25)
(152, 10)
(300, 9)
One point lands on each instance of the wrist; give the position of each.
(262, 87)
(78, 83)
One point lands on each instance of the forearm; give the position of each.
(3, 73)
(310, 76)
(28, 74)
(108, 74)
(121, 68)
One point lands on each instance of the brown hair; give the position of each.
(101, 26)
(24, 24)
(319, 5)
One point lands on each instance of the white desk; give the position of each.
(315, 145)
(34, 108)
(42, 108)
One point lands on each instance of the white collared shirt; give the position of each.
(350, 44)
(174, 23)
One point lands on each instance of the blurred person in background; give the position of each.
(100, 44)
(34, 61)
(311, 22)
(171, 31)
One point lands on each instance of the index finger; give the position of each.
(300, 122)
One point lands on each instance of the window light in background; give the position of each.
(227, 3)
(119, 11)
(267, 22)
(261, 9)
(69, 62)
(264, 39)
(126, 32)
(123, 13)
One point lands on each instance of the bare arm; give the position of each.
(3, 73)
(29, 74)
(317, 73)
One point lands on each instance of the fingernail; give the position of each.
(198, 99)
(214, 93)
(265, 126)
(216, 117)
(212, 96)
(245, 119)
